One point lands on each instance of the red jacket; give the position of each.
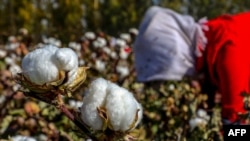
(227, 58)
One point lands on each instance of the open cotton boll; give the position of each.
(99, 42)
(95, 98)
(75, 46)
(38, 67)
(14, 69)
(122, 70)
(100, 65)
(123, 54)
(120, 42)
(90, 35)
(196, 122)
(3, 53)
(203, 114)
(133, 31)
(119, 104)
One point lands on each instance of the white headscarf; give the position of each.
(165, 47)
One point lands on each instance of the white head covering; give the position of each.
(165, 46)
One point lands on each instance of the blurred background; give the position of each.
(102, 34)
(67, 20)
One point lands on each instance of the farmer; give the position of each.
(171, 46)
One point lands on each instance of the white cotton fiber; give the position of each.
(42, 65)
(38, 67)
(95, 98)
(66, 59)
(130, 108)
(121, 106)
(115, 106)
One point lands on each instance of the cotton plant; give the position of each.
(50, 73)
(110, 108)
(48, 67)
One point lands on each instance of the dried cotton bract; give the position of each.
(50, 66)
(107, 105)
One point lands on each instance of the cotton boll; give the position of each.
(125, 36)
(122, 70)
(123, 111)
(120, 43)
(123, 54)
(2, 98)
(9, 60)
(133, 31)
(90, 35)
(95, 98)
(113, 55)
(122, 108)
(75, 104)
(115, 106)
(203, 114)
(196, 122)
(66, 59)
(107, 50)
(75, 46)
(99, 42)
(38, 67)
(100, 65)
(14, 69)
(81, 62)
(3, 53)
(171, 87)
